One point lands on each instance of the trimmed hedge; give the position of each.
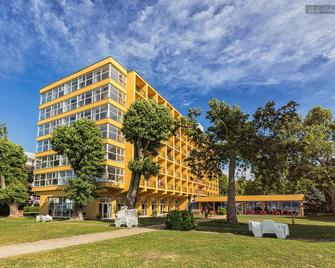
(180, 220)
(31, 210)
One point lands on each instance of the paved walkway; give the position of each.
(41, 245)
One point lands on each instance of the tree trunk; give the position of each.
(78, 213)
(132, 194)
(2, 182)
(332, 199)
(14, 210)
(231, 204)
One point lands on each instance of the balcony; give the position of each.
(162, 171)
(161, 184)
(152, 184)
(141, 91)
(162, 155)
(170, 157)
(170, 187)
(170, 173)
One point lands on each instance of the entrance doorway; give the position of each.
(105, 207)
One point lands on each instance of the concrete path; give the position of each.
(41, 245)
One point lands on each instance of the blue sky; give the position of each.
(242, 52)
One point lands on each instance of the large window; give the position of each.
(109, 131)
(97, 113)
(116, 114)
(106, 71)
(114, 174)
(43, 145)
(51, 161)
(53, 178)
(60, 207)
(98, 94)
(114, 153)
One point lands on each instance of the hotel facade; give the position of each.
(103, 92)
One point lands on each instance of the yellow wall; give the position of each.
(177, 146)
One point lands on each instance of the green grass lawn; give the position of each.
(26, 229)
(212, 244)
(308, 228)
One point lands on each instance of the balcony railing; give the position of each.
(170, 172)
(170, 157)
(152, 184)
(170, 187)
(161, 184)
(140, 90)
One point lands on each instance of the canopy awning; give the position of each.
(253, 198)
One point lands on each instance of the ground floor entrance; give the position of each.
(105, 207)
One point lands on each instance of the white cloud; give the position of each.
(179, 44)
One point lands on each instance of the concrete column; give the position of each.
(302, 212)
(43, 210)
(113, 207)
(158, 204)
(149, 210)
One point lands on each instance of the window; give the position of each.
(106, 71)
(60, 207)
(116, 114)
(97, 113)
(51, 161)
(117, 95)
(114, 153)
(43, 145)
(53, 178)
(114, 174)
(109, 131)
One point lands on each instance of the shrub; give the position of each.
(31, 210)
(222, 211)
(180, 220)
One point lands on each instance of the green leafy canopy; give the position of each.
(82, 143)
(14, 177)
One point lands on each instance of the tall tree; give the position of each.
(318, 153)
(13, 175)
(227, 141)
(277, 146)
(82, 143)
(231, 132)
(146, 125)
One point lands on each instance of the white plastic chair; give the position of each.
(281, 230)
(126, 216)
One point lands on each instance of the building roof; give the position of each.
(253, 198)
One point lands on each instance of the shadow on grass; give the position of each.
(328, 218)
(312, 233)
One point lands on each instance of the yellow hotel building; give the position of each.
(102, 92)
